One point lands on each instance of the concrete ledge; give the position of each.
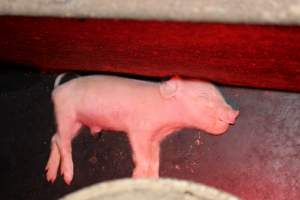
(233, 11)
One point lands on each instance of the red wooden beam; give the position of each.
(242, 55)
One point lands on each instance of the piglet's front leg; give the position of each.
(153, 170)
(145, 156)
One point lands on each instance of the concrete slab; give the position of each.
(233, 11)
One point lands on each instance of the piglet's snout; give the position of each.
(234, 115)
(229, 116)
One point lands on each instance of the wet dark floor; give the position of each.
(258, 158)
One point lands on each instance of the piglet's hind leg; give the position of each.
(61, 146)
(64, 140)
(54, 160)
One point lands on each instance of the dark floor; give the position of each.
(258, 158)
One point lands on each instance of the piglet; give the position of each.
(146, 111)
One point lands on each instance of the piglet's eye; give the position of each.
(200, 98)
(202, 95)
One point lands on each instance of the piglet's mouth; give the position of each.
(227, 122)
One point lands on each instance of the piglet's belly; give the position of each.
(97, 122)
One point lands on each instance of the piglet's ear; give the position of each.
(169, 88)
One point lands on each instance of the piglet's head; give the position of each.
(201, 104)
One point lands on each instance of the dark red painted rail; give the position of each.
(242, 55)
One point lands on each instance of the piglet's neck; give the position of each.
(175, 113)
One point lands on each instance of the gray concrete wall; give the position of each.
(233, 11)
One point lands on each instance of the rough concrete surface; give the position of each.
(232, 11)
(258, 158)
(149, 189)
